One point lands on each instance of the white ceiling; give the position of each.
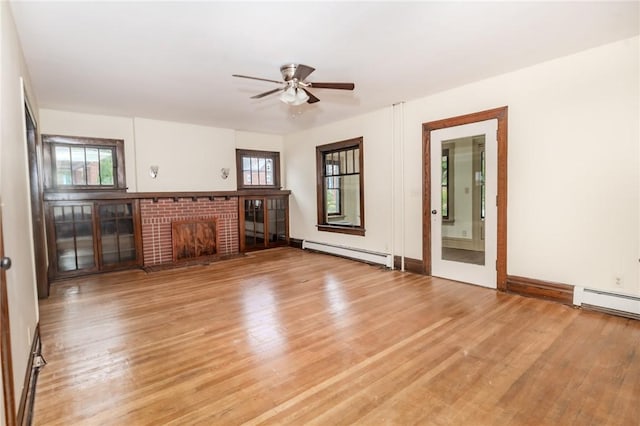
(174, 60)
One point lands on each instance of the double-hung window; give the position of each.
(340, 187)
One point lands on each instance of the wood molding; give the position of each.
(501, 115)
(295, 243)
(562, 293)
(119, 195)
(415, 266)
(27, 399)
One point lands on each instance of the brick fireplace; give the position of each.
(157, 215)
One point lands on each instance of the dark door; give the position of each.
(37, 214)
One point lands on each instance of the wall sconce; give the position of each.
(224, 172)
(153, 171)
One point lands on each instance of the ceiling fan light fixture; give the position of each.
(301, 97)
(289, 95)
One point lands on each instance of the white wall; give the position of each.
(15, 200)
(189, 156)
(300, 151)
(573, 161)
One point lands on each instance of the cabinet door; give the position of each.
(277, 221)
(117, 234)
(252, 215)
(73, 238)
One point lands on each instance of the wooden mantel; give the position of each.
(123, 195)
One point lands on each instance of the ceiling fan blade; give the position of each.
(312, 99)
(302, 72)
(341, 86)
(257, 78)
(262, 95)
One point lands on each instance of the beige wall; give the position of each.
(14, 197)
(574, 185)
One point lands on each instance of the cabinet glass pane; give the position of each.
(254, 223)
(117, 233)
(73, 227)
(277, 220)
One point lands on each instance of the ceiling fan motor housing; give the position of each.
(288, 70)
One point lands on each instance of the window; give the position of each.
(73, 163)
(258, 169)
(340, 189)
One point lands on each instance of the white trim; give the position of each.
(624, 303)
(350, 252)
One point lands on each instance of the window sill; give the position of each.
(342, 229)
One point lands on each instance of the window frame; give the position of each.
(273, 155)
(321, 151)
(49, 143)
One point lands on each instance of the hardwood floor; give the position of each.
(291, 337)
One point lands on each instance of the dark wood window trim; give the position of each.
(51, 141)
(272, 155)
(321, 150)
(501, 114)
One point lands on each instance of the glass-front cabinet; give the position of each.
(74, 237)
(263, 222)
(93, 236)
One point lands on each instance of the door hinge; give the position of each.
(496, 201)
(496, 265)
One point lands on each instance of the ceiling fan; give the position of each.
(294, 89)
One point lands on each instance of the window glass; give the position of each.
(258, 169)
(74, 163)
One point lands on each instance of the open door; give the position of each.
(5, 339)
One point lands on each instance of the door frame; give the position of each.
(500, 114)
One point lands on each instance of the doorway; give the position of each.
(34, 153)
(464, 171)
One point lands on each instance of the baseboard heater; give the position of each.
(352, 253)
(614, 303)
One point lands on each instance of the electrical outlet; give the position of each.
(618, 281)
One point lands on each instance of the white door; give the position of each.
(464, 187)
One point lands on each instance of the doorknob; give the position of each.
(5, 263)
(434, 211)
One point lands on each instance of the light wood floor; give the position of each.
(291, 337)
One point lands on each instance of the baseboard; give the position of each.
(562, 293)
(363, 255)
(295, 243)
(27, 399)
(609, 302)
(410, 265)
